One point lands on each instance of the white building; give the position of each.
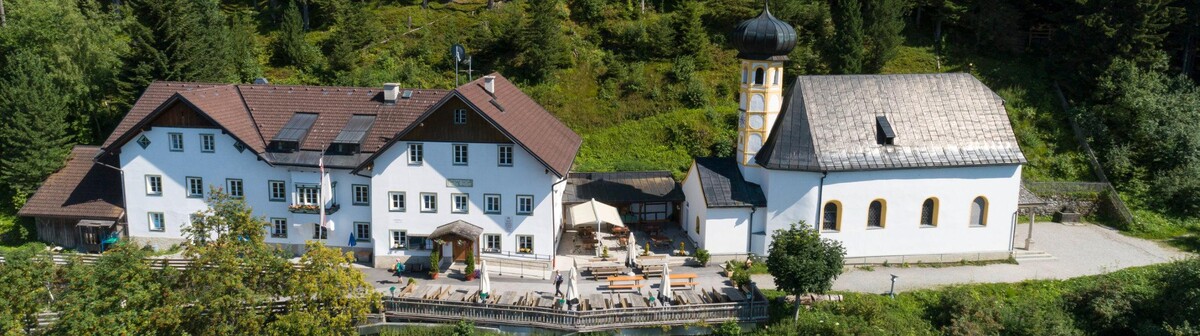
(480, 167)
(895, 167)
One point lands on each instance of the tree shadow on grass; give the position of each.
(1189, 242)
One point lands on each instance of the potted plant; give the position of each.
(470, 270)
(739, 278)
(435, 260)
(702, 257)
(646, 251)
(604, 253)
(682, 252)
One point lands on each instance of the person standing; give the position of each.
(399, 272)
(558, 280)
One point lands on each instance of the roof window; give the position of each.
(884, 135)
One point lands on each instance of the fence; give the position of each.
(576, 321)
(527, 267)
(1110, 195)
(88, 259)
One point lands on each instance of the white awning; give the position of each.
(593, 213)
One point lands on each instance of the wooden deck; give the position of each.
(607, 312)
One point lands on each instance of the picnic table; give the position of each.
(688, 297)
(607, 271)
(597, 302)
(733, 294)
(688, 280)
(621, 282)
(660, 240)
(589, 266)
(636, 301)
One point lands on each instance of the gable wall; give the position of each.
(439, 126)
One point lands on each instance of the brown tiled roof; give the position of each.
(154, 96)
(224, 105)
(81, 189)
(526, 122)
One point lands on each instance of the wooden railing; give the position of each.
(155, 263)
(575, 321)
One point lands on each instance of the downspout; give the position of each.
(820, 199)
(750, 229)
(124, 202)
(554, 230)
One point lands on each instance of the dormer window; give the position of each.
(460, 117)
(293, 133)
(349, 140)
(884, 135)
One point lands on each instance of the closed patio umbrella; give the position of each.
(632, 249)
(573, 286)
(485, 282)
(664, 289)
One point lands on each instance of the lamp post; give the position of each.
(892, 292)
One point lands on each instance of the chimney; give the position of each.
(390, 92)
(489, 84)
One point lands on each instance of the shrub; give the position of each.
(728, 328)
(702, 257)
(470, 269)
(464, 328)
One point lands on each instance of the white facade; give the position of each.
(215, 169)
(526, 177)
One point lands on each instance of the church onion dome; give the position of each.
(764, 38)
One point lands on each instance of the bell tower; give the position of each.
(763, 44)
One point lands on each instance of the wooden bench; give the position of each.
(684, 284)
(606, 271)
(617, 282)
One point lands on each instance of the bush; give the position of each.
(702, 257)
(464, 328)
(729, 328)
(470, 269)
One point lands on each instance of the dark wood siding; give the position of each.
(439, 126)
(181, 115)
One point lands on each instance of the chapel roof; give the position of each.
(723, 186)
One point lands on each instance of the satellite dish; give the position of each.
(458, 52)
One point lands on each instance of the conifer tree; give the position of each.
(182, 40)
(847, 46)
(542, 44)
(884, 21)
(33, 125)
(290, 46)
(693, 39)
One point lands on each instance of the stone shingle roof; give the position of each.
(828, 123)
(81, 189)
(723, 185)
(621, 187)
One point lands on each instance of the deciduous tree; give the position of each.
(803, 262)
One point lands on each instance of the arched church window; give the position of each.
(759, 76)
(979, 211)
(875, 213)
(929, 212)
(831, 216)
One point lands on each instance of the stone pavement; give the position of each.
(1074, 250)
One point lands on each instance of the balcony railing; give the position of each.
(313, 208)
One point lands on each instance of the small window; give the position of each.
(524, 204)
(416, 153)
(745, 76)
(320, 232)
(491, 203)
(759, 76)
(876, 213)
(362, 231)
(362, 194)
(697, 225)
(979, 211)
(491, 243)
(461, 203)
(308, 194)
(143, 141)
(235, 188)
(505, 155)
(156, 222)
(279, 228)
(831, 216)
(929, 212)
(428, 202)
(396, 201)
(176, 141)
(195, 187)
(460, 117)
(399, 239)
(239, 146)
(154, 185)
(460, 154)
(278, 191)
(524, 244)
(208, 144)
(778, 76)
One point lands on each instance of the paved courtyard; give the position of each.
(1073, 251)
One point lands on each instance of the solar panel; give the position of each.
(296, 128)
(356, 129)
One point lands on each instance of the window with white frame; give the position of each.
(156, 221)
(279, 228)
(428, 202)
(460, 117)
(153, 185)
(504, 154)
(524, 244)
(362, 194)
(396, 201)
(176, 141)
(524, 204)
(195, 187)
(362, 231)
(460, 154)
(277, 191)
(308, 194)
(491, 243)
(208, 143)
(416, 153)
(320, 232)
(399, 239)
(491, 203)
(461, 203)
(235, 188)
